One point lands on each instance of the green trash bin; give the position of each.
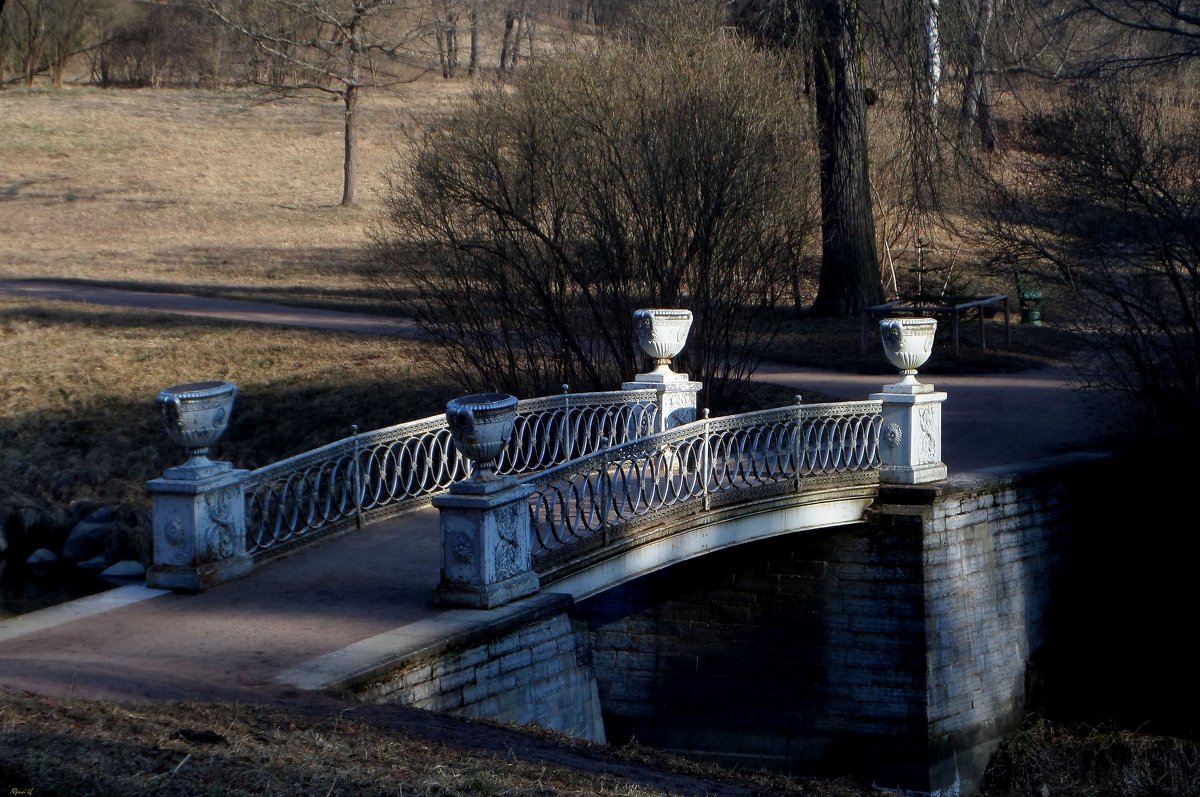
(1031, 303)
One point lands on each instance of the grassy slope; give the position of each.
(76, 747)
(202, 192)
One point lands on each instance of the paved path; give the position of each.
(989, 421)
(238, 641)
(234, 641)
(208, 307)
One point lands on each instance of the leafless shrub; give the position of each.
(662, 172)
(1043, 758)
(1105, 202)
(163, 45)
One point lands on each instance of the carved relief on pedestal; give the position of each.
(507, 548)
(461, 549)
(893, 435)
(220, 539)
(175, 533)
(930, 422)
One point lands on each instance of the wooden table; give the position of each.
(954, 311)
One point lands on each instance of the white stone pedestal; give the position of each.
(487, 559)
(676, 397)
(910, 442)
(199, 527)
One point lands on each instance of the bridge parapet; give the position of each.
(370, 476)
(595, 499)
(606, 462)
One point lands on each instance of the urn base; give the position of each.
(660, 376)
(487, 486)
(199, 577)
(197, 468)
(486, 596)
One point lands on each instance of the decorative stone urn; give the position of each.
(480, 426)
(199, 506)
(486, 538)
(910, 438)
(195, 416)
(907, 343)
(662, 335)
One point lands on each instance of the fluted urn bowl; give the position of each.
(480, 426)
(195, 415)
(662, 334)
(907, 343)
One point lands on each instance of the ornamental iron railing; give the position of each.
(592, 500)
(375, 474)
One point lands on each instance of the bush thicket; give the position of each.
(670, 171)
(1105, 203)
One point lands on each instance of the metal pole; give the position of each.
(605, 490)
(356, 479)
(707, 465)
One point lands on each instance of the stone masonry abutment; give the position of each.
(894, 650)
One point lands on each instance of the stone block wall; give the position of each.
(895, 650)
(536, 670)
(995, 550)
(800, 652)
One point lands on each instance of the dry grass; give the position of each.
(200, 191)
(78, 747)
(78, 425)
(75, 747)
(1070, 759)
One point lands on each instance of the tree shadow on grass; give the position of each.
(97, 446)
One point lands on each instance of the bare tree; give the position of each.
(473, 22)
(1107, 206)
(446, 27)
(830, 32)
(532, 223)
(849, 262)
(39, 36)
(1137, 33)
(977, 118)
(337, 47)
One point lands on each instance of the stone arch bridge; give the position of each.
(798, 587)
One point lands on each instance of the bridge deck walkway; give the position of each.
(233, 641)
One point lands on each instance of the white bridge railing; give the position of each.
(702, 462)
(378, 473)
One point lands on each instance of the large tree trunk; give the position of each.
(473, 19)
(350, 164)
(849, 263)
(976, 104)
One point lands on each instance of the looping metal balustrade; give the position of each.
(702, 463)
(376, 474)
